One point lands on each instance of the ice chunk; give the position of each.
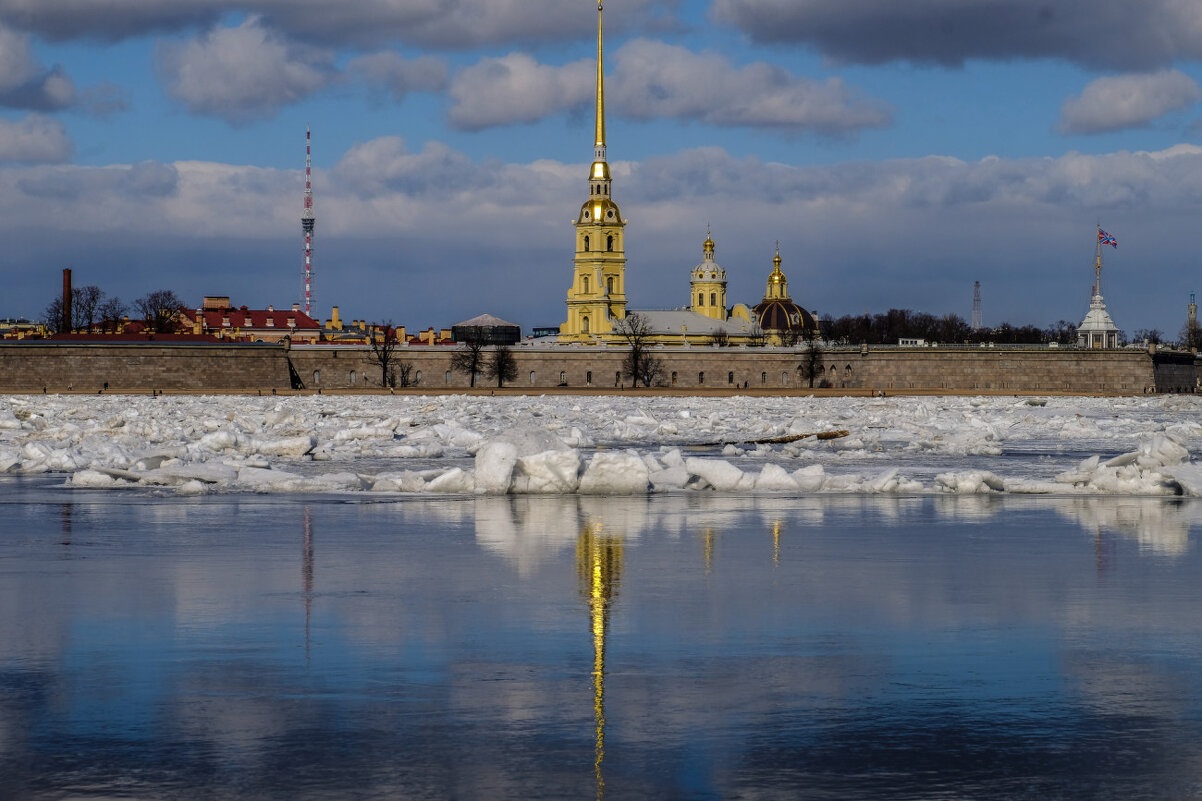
(615, 473)
(1187, 476)
(454, 480)
(969, 482)
(495, 461)
(669, 478)
(555, 471)
(718, 473)
(286, 446)
(810, 479)
(773, 477)
(94, 479)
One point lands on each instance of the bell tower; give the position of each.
(708, 284)
(597, 296)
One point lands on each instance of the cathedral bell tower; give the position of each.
(597, 296)
(708, 284)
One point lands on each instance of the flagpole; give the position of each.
(1097, 287)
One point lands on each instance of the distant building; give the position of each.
(217, 318)
(487, 329)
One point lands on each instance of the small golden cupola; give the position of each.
(779, 317)
(708, 284)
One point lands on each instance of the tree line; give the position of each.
(92, 309)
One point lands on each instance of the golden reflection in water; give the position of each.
(776, 527)
(709, 536)
(599, 569)
(307, 577)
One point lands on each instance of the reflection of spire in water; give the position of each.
(776, 526)
(708, 537)
(64, 517)
(599, 569)
(307, 576)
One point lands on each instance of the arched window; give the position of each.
(417, 378)
(847, 369)
(588, 378)
(700, 299)
(316, 377)
(584, 324)
(784, 378)
(610, 244)
(586, 243)
(764, 378)
(713, 299)
(531, 378)
(618, 378)
(447, 377)
(563, 378)
(701, 377)
(673, 378)
(352, 378)
(730, 377)
(584, 283)
(609, 285)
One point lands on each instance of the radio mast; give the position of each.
(308, 222)
(976, 305)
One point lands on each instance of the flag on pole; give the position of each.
(1107, 239)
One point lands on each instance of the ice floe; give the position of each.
(608, 445)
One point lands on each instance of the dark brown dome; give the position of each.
(783, 315)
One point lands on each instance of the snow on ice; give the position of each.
(608, 444)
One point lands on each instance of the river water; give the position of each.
(673, 646)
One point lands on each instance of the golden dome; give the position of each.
(602, 211)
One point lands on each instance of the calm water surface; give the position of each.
(669, 647)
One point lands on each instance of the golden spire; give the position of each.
(600, 86)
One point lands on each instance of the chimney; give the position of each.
(65, 324)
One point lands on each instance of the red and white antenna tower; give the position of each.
(308, 222)
(976, 305)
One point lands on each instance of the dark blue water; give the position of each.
(670, 647)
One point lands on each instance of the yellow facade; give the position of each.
(707, 289)
(597, 296)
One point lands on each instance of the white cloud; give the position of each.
(26, 84)
(1127, 101)
(657, 80)
(242, 73)
(516, 88)
(34, 139)
(399, 75)
(1108, 33)
(429, 23)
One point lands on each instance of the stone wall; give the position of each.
(27, 366)
(30, 366)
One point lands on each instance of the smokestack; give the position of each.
(65, 325)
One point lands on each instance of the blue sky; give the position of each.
(898, 152)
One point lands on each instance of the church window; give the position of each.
(609, 285)
(610, 215)
(713, 299)
(701, 377)
(610, 246)
(584, 281)
(586, 244)
(700, 299)
(584, 324)
(730, 377)
(847, 369)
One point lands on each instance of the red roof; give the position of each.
(244, 318)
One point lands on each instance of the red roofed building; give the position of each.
(217, 318)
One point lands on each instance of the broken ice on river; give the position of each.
(607, 444)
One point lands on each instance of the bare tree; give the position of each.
(160, 309)
(469, 359)
(721, 338)
(812, 359)
(111, 313)
(85, 302)
(404, 373)
(757, 338)
(383, 341)
(791, 336)
(52, 317)
(640, 365)
(501, 365)
(1190, 336)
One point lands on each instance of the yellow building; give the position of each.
(597, 296)
(596, 300)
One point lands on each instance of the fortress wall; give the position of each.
(29, 366)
